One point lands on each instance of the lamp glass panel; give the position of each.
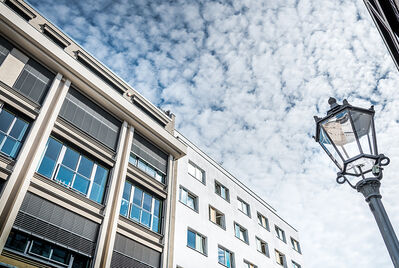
(339, 129)
(329, 148)
(362, 123)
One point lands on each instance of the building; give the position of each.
(94, 175)
(220, 220)
(385, 14)
(86, 163)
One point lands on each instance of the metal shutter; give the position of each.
(149, 153)
(90, 118)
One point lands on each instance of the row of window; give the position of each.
(198, 242)
(217, 217)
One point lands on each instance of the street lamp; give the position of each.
(347, 135)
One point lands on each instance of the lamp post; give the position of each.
(347, 135)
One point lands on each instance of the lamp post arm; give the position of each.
(370, 188)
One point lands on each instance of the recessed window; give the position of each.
(12, 133)
(222, 191)
(241, 233)
(5, 48)
(280, 258)
(247, 264)
(295, 265)
(196, 172)
(225, 257)
(243, 207)
(73, 170)
(141, 206)
(262, 246)
(34, 81)
(295, 245)
(27, 245)
(280, 233)
(196, 241)
(263, 221)
(216, 217)
(188, 198)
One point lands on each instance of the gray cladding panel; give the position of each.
(121, 261)
(149, 152)
(136, 251)
(53, 222)
(90, 118)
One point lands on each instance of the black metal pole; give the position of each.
(370, 188)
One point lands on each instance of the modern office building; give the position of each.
(385, 14)
(94, 175)
(221, 222)
(86, 163)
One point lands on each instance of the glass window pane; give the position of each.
(155, 224)
(80, 261)
(65, 176)
(228, 259)
(199, 243)
(221, 257)
(183, 196)
(41, 248)
(5, 120)
(70, 159)
(100, 181)
(1, 137)
(18, 129)
(145, 218)
(47, 165)
(190, 202)
(17, 241)
(124, 208)
(190, 239)
(147, 204)
(135, 213)
(157, 208)
(138, 196)
(10, 147)
(81, 184)
(133, 159)
(85, 167)
(126, 191)
(60, 255)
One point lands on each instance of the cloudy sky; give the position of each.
(244, 79)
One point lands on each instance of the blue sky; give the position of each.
(244, 79)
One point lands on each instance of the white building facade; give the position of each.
(220, 222)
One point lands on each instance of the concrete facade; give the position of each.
(139, 150)
(244, 252)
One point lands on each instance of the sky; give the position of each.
(244, 79)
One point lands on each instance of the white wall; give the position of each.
(186, 217)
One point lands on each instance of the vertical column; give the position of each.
(29, 157)
(167, 257)
(107, 233)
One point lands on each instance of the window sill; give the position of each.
(242, 240)
(227, 200)
(249, 216)
(131, 222)
(203, 181)
(282, 240)
(222, 227)
(267, 229)
(204, 254)
(264, 254)
(189, 207)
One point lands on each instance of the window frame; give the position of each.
(242, 202)
(242, 230)
(295, 264)
(297, 248)
(197, 168)
(158, 175)
(196, 202)
(279, 255)
(278, 231)
(227, 191)
(58, 164)
(204, 239)
(266, 253)
(248, 264)
(259, 217)
(223, 225)
(225, 250)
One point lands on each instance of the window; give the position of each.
(27, 245)
(241, 233)
(243, 207)
(295, 265)
(222, 191)
(295, 245)
(141, 207)
(280, 258)
(89, 117)
(216, 217)
(263, 221)
(196, 172)
(196, 241)
(247, 264)
(280, 233)
(149, 158)
(225, 257)
(262, 246)
(188, 199)
(5, 48)
(12, 133)
(73, 170)
(34, 81)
